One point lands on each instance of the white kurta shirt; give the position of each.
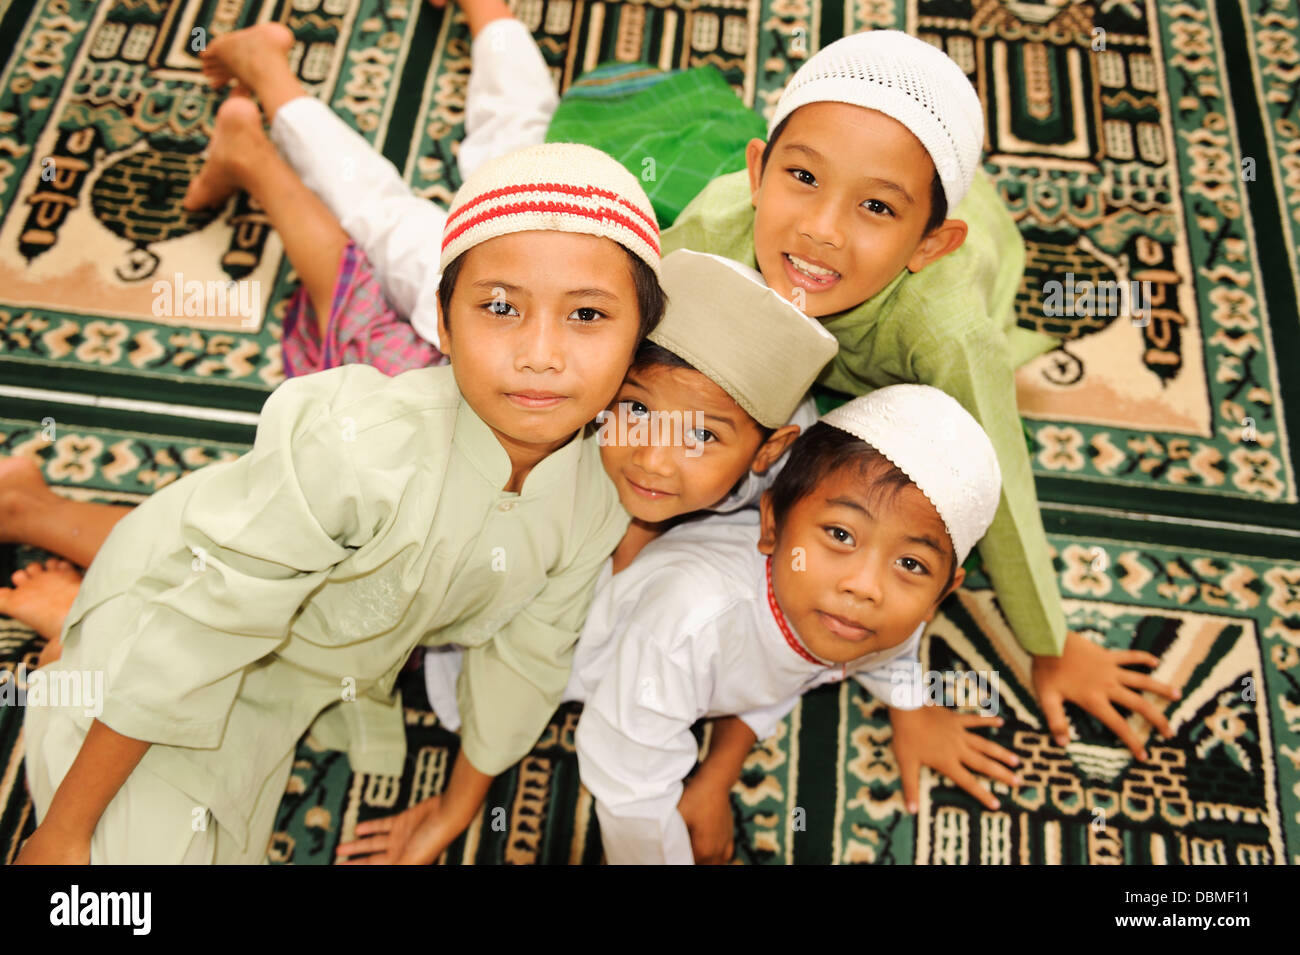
(690, 634)
(508, 105)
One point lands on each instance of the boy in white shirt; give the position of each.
(860, 539)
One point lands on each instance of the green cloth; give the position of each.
(254, 596)
(674, 131)
(951, 325)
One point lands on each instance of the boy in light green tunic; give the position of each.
(253, 600)
(844, 210)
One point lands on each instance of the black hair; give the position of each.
(650, 297)
(821, 451)
(938, 199)
(648, 355)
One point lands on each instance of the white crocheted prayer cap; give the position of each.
(559, 187)
(904, 78)
(932, 439)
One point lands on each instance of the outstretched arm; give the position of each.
(706, 800)
(102, 765)
(508, 105)
(422, 833)
(1066, 665)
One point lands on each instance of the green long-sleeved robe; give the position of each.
(255, 599)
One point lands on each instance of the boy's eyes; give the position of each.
(909, 564)
(637, 410)
(838, 534)
(913, 566)
(585, 316)
(803, 175)
(872, 205)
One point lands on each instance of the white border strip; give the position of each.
(131, 404)
(1261, 529)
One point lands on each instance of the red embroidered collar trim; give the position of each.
(781, 622)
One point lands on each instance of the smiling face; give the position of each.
(842, 206)
(659, 482)
(543, 326)
(858, 564)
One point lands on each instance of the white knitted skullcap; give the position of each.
(906, 79)
(932, 439)
(558, 187)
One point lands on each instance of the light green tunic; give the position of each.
(952, 326)
(368, 518)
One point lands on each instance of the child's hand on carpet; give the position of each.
(414, 837)
(1096, 679)
(706, 808)
(941, 738)
(47, 847)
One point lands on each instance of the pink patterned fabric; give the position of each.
(362, 329)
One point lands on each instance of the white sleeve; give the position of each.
(511, 96)
(442, 666)
(635, 747)
(509, 104)
(763, 721)
(400, 233)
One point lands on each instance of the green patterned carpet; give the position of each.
(1133, 142)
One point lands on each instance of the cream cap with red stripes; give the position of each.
(557, 187)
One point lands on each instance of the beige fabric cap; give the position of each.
(724, 320)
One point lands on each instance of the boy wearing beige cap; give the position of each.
(253, 600)
(859, 540)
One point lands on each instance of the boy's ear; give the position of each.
(767, 525)
(958, 578)
(775, 446)
(948, 237)
(754, 163)
(444, 336)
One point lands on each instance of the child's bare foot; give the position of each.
(237, 140)
(22, 491)
(244, 54)
(41, 597)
